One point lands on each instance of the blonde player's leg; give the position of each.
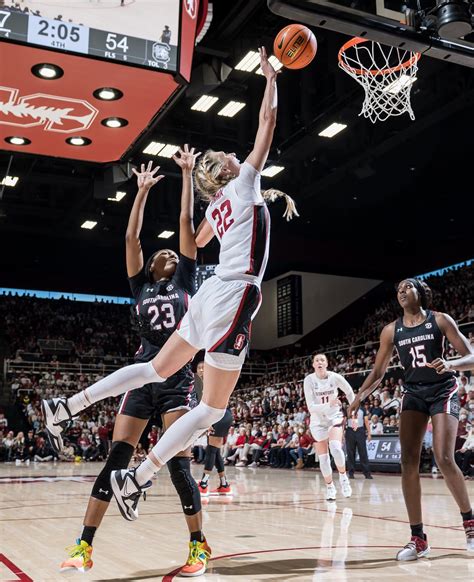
(335, 446)
(320, 434)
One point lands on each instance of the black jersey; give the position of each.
(160, 306)
(416, 346)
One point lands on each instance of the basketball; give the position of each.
(295, 46)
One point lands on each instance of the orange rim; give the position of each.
(355, 41)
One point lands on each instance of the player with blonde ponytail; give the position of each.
(219, 315)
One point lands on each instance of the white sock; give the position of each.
(146, 471)
(180, 435)
(343, 477)
(127, 378)
(205, 478)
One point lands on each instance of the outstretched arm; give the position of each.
(459, 342)
(187, 243)
(346, 388)
(267, 117)
(146, 179)
(382, 360)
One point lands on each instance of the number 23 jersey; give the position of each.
(240, 220)
(417, 346)
(161, 305)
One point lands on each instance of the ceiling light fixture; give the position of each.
(78, 141)
(274, 62)
(249, 62)
(332, 130)
(18, 141)
(10, 181)
(114, 122)
(89, 224)
(272, 171)
(231, 109)
(162, 150)
(108, 94)
(47, 71)
(118, 196)
(204, 103)
(166, 234)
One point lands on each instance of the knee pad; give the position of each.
(119, 458)
(337, 453)
(186, 487)
(226, 362)
(210, 457)
(325, 465)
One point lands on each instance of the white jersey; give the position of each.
(320, 393)
(240, 219)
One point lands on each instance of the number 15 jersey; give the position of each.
(240, 220)
(416, 346)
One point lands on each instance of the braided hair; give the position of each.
(208, 180)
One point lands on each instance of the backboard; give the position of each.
(437, 29)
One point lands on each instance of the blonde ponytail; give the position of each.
(290, 211)
(208, 180)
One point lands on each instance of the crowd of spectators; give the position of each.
(271, 418)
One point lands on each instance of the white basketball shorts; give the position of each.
(219, 319)
(324, 420)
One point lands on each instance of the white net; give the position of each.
(386, 73)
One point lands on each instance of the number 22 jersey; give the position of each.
(417, 346)
(240, 220)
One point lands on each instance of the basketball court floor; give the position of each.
(276, 527)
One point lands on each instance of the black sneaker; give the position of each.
(351, 476)
(57, 417)
(127, 492)
(369, 476)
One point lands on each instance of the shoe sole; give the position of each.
(193, 574)
(118, 498)
(221, 494)
(422, 554)
(55, 441)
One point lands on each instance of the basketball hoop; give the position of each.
(386, 73)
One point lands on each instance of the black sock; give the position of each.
(467, 516)
(197, 536)
(417, 530)
(88, 534)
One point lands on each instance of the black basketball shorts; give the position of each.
(177, 393)
(431, 399)
(221, 428)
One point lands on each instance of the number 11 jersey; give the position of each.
(240, 220)
(417, 346)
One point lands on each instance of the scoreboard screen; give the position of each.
(139, 32)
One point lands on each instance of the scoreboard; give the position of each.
(138, 32)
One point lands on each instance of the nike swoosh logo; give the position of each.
(280, 44)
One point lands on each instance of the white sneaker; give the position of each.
(469, 529)
(415, 548)
(345, 485)
(241, 464)
(254, 464)
(331, 492)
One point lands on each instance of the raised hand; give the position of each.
(186, 159)
(267, 68)
(146, 178)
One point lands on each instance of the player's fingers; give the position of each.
(150, 166)
(142, 168)
(135, 172)
(186, 147)
(153, 172)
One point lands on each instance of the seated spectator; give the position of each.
(239, 448)
(139, 455)
(43, 452)
(465, 455)
(376, 409)
(199, 449)
(229, 444)
(67, 454)
(376, 427)
(264, 441)
(305, 444)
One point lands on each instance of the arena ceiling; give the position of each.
(380, 200)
